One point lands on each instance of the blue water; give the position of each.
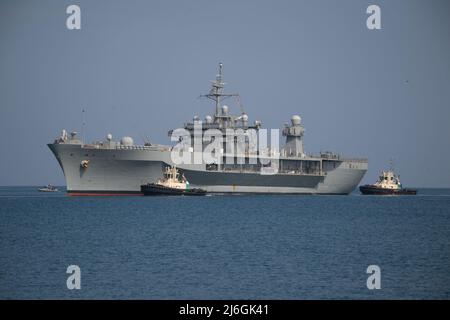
(224, 247)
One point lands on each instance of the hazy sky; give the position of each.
(139, 66)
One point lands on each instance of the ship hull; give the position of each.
(152, 189)
(373, 190)
(122, 172)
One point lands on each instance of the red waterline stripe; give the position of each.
(75, 194)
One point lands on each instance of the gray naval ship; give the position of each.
(120, 167)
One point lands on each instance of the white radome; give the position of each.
(224, 109)
(126, 141)
(296, 120)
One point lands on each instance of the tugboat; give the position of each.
(48, 188)
(388, 184)
(171, 185)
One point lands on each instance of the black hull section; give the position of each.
(372, 190)
(103, 193)
(157, 190)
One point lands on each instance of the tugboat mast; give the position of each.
(391, 164)
(216, 94)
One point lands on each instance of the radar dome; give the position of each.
(224, 109)
(126, 141)
(109, 137)
(296, 120)
(208, 119)
(244, 117)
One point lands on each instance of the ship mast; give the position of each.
(391, 164)
(216, 94)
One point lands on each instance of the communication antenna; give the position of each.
(83, 123)
(146, 139)
(391, 164)
(239, 102)
(216, 93)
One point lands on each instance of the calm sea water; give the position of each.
(224, 247)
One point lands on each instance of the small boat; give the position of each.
(171, 185)
(48, 188)
(388, 184)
